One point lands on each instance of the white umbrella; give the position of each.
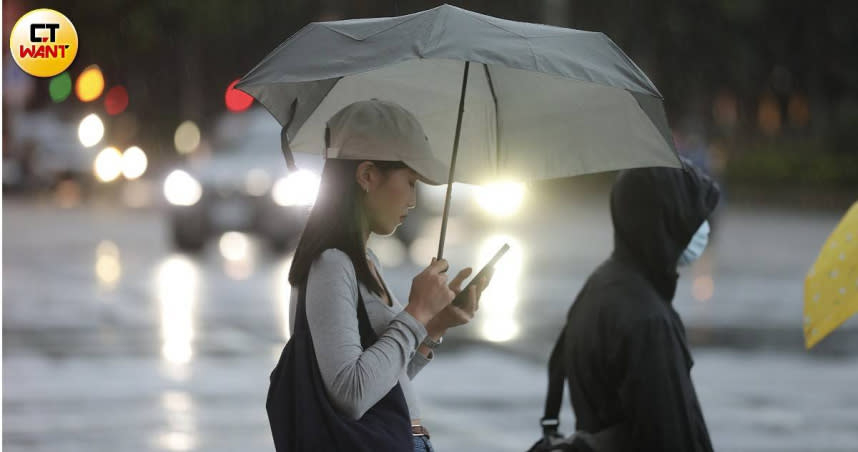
(533, 101)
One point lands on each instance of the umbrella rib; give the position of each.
(497, 120)
(453, 162)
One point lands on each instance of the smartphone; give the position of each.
(462, 297)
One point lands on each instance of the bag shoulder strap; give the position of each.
(367, 334)
(610, 439)
(556, 379)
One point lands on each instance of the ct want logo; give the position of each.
(43, 42)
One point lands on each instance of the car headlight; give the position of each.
(500, 199)
(181, 189)
(108, 164)
(297, 189)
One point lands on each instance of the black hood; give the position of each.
(655, 213)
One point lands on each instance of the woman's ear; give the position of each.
(364, 175)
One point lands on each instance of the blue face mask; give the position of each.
(696, 246)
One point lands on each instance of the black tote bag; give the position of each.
(302, 418)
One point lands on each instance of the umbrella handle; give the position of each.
(284, 138)
(453, 162)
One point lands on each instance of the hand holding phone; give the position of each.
(462, 297)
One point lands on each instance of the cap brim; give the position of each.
(430, 171)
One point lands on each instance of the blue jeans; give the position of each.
(422, 444)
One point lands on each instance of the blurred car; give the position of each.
(242, 185)
(477, 206)
(45, 151)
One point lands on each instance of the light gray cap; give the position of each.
(380, 130)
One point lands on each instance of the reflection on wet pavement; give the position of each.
(499, 301)
(178, 291)
(108, 269)
(180, 433)
(113, 342)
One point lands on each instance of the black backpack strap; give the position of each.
(556, 379)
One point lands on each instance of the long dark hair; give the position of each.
(335, 222)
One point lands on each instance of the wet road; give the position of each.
(111, 341)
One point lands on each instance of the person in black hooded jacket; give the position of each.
(626, 356)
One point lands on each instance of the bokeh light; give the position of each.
(116, 100)
(90, 84)
(60, 87)
(108, 164)
(769, 115)
(187, 138)
(237, 101)
(134, 162)
(299, 188)
(181, 189)
(108, 269)
(239, 257)
(234, 246)
(91, 130)
(501, 199)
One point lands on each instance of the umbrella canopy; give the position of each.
(541, 101)
(831, 286)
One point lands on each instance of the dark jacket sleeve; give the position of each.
(656, 391)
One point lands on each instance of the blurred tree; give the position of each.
(177, 57)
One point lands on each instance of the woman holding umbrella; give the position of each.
(364, 345)
(540, 103)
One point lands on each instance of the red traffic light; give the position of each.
(237, 101)
(116, 100)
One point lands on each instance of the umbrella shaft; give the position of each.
(453, 162)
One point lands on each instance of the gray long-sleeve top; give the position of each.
(357, 379)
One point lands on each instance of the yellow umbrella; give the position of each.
(831, 285)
